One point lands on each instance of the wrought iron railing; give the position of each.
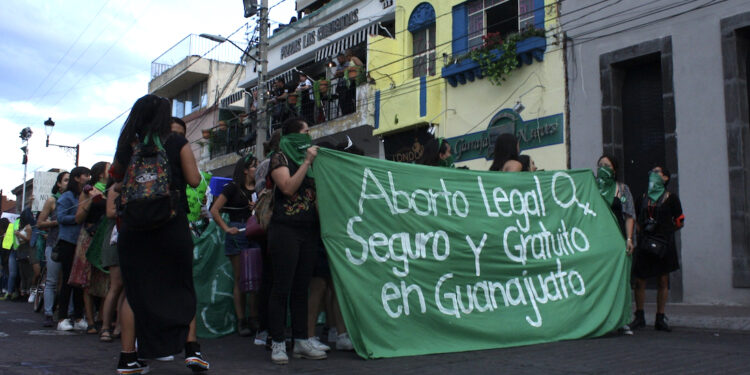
(237, 136)
(193, 45)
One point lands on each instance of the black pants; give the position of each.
(265, 289)
(293, 254)
(66, 253)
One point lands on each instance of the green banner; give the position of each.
(434, 260)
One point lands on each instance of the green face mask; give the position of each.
(605, 178)
(655, 186)
(295, 146)
(447, 162)
(101, 186)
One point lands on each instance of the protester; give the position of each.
(237, 199)
(111, 262)
(507, 149)
(48, 221)
(659, 217)
(527, 163)
(278, 101)
(24, 253)
(347, 83)
(178, 126)
(91, 210)
(64, 251)
(156, 264)
(293, 236)
(618, 197)
(437, 152)
(261, 174)
(5, 224)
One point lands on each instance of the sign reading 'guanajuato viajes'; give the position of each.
(544, 131)
(433, 260)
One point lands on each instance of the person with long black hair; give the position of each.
(293, 238)
(237, 199)
(48, 221)
(506, 153)
(437, 152)
(157, 264)
(65, 250)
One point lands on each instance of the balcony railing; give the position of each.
(193, 45)
(235, 137)
(339, 100)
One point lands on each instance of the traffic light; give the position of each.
(251, 7)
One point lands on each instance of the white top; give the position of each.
(307, 83)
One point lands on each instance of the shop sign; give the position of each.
(328, 29)
(534, 133)
(408, 146)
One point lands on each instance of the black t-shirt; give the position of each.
(238, 199)
(299, 209)
(172, 144)
(278, 91)
(666, 214)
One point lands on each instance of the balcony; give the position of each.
(223, 144)
(467, 70)
(187, 63)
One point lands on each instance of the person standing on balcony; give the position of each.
(306, 96)
(278, 101)
(348, 69)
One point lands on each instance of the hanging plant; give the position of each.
(496, 69)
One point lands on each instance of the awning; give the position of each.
(287, 76)
(341, 44)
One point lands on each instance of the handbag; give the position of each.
(253, 230)
(81, 270)
(654, 246)
(251, 269)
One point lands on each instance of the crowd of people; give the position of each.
(118, 256)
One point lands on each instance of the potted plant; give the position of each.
(292, 98)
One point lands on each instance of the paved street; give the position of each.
(27, 348)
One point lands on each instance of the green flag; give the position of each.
(434, 260)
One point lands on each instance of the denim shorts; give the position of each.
(234, 243)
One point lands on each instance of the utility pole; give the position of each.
(262, 118)
(25, 135)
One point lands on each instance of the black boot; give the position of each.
(661, 323)
(639, 321)
(193, 358)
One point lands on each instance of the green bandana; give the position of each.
(57, 196)
(447, 162)
(295, 146)
(605, 178)
(655, 186)
(100, 186)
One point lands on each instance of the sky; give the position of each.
(84, 62)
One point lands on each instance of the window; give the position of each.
(422, 28)
(424, 52)
(498, 16)
(190, 100)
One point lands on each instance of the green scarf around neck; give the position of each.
(295, 146)
(655, 187)
(57, 195)
(447, 162)
(605, 178)
(101, 186)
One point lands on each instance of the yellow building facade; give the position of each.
(427, 86)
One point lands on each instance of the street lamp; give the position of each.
(48, 126)
(221, 39)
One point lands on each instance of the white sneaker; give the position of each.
(278, 353)
(304, 349)
(343, 342)
(64, 325)
(626, 330)
(80, 325)
(315, 342)
(333, 334)
(261, 338)
(32, 295)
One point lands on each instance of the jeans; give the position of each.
(12, 271)
(67, 252)
(293, 252)
(50, 286)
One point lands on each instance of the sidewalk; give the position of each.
(704, 316)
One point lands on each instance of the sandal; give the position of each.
(92, 330)
(105, 336)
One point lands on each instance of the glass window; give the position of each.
(423, 43)
(497, 16)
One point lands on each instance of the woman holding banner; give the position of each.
(507, 150)
(293, 236)
(660, 216)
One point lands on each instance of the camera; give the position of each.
(650, 225)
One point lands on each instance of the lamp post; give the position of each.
(25, 135)
(221, 39)
(48, 126)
